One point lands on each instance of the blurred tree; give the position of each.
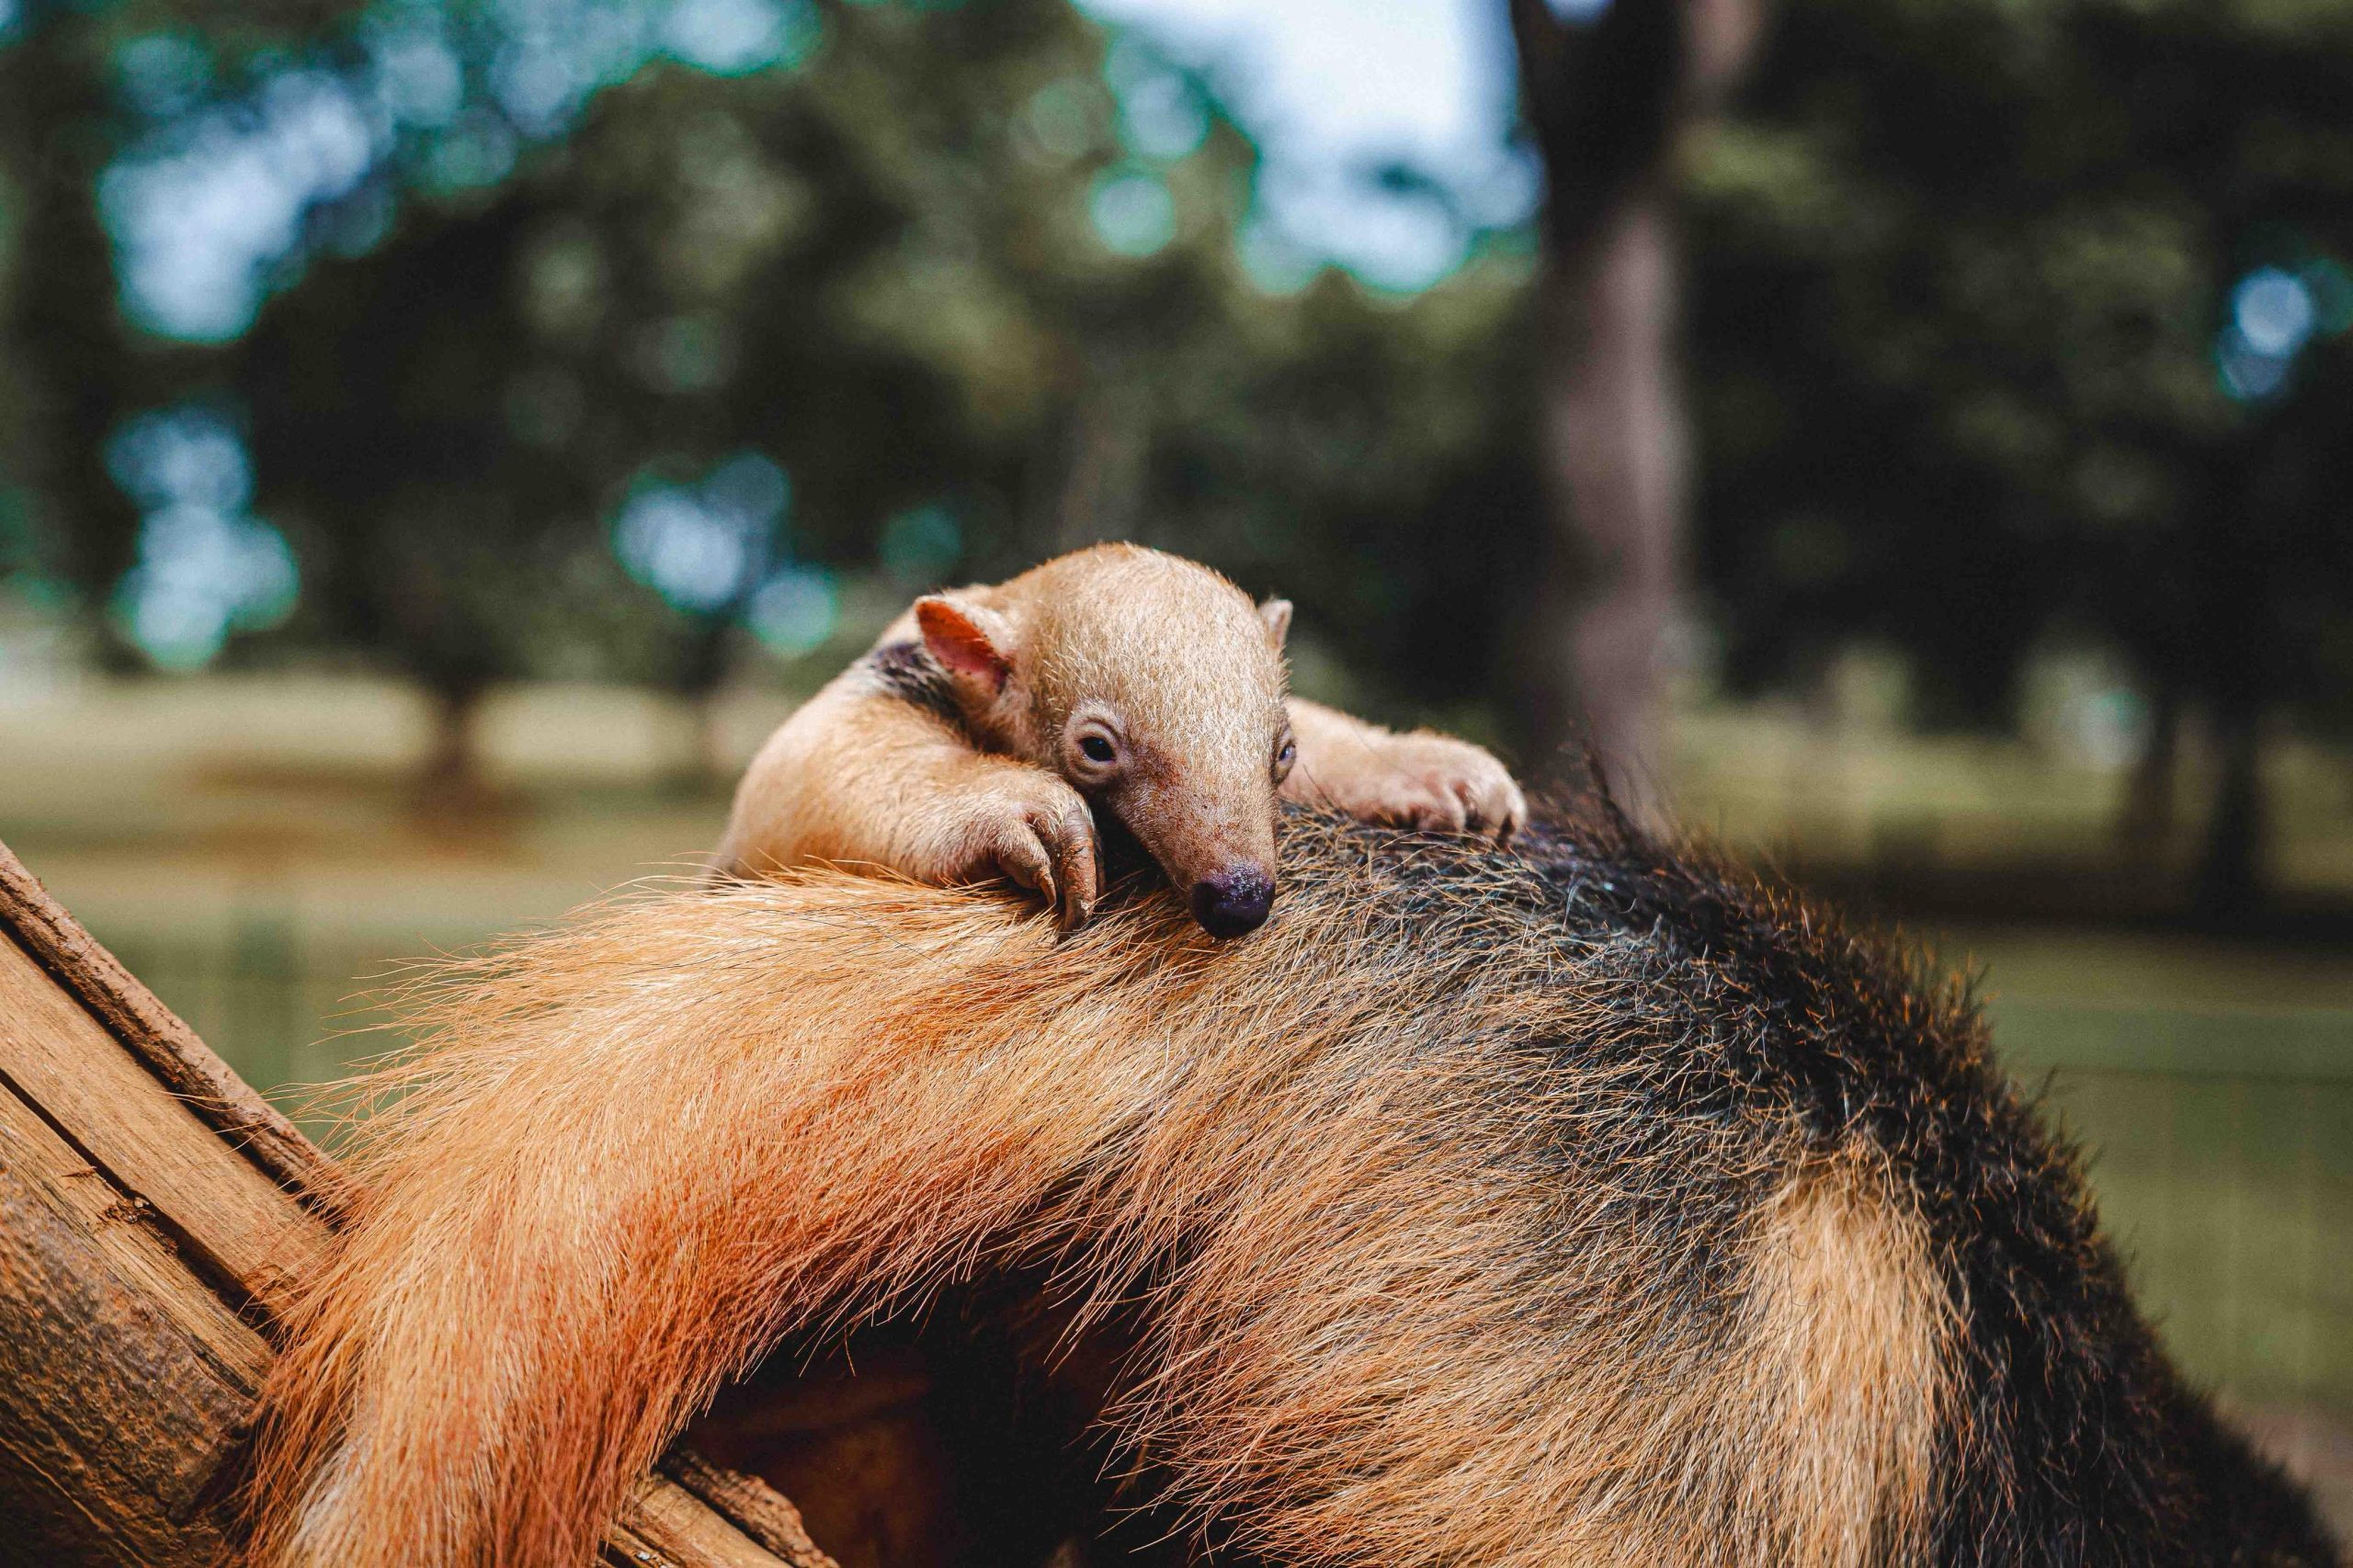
(621, 337)
(1606, 91)
(68, 358)
(77, 368)
(450, 417)
(616, 336)
(428, 535)
(1982, 337)
(489, 348)
(971, 317)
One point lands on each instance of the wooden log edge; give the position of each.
(760, 1524)
(155, 1035)
(749, 1504)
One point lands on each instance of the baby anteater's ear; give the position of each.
(1276, 613)
(972, 641)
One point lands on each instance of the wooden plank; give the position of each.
(124, 1382)
(155, 1035)
(238, 1225)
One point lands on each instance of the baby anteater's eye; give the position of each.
(1092, 752)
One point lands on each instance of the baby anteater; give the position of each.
(970, 742)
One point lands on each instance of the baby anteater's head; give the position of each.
(1156, 688)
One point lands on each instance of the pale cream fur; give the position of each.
(1191, 674)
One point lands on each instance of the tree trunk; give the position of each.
(452, 774)
(2144, 820)
(1104, 473)
(697, 680)
(2230, 878)
(1606, 102)
(1615, 453)
(697, 763)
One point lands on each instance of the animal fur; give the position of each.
(952, 752)
(1581, 1205)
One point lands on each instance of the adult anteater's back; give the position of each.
(2069, 1438)
(1571, 1205)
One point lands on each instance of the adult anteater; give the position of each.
(1587, 1203)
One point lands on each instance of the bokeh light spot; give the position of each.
(2273, 311)
(537, 86)
(1058, 119)
(731, 38)
(163, 73)
(750, 486)
(685, 354)
(2245, 372)
(477, 152)
(1272, 260)
(1162, 116)
(203, 210)
(186, 456)
(796, 610)
(417, 78)
(1133, 212)
(919, 546)
(701, 547)
(693, 556)
(206, 567)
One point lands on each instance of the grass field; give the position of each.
(257, 852)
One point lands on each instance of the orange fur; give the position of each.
(1403, 1304)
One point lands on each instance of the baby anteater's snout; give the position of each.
(1235, 901)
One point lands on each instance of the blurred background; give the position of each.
(1912, 439)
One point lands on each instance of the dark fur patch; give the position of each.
(2077, 1441)
(907, 671)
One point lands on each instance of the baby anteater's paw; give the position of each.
(1431, 782)
(1028, 824)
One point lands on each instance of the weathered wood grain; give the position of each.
(155, 1035)
(756, 1508)
(676, 1526)
(148, 1227)
(238, 1225)
(123, 1382)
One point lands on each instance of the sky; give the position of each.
(1331, 88)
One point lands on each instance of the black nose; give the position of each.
(1233, 902)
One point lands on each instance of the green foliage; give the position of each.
(984, 281)
(971, 277)
(1964, 279)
